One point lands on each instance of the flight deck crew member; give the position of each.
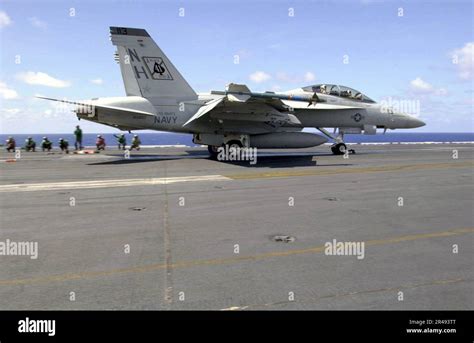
(135, 143)
(64, 145)
(121, 141)
(11, 144)
(100, 142)
(46, 144)
(30, 144)
(78, 134)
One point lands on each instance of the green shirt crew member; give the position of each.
(78, 134)
(121, 141)
(46, 144)
(30, 144)
(64, 145)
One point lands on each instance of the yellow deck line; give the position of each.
(348, 170)
(187, 264)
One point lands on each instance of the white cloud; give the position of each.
(4, 19)
(309, 76)
(37, 22)
(420, 86)
(464, 60)
(97, 81)
(43, 79)
(48, 114)
(9, 113)
(7, 93)
(12, 110)
(259, 76)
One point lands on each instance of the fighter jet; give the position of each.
(159, 98)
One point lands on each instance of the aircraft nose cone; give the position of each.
(415, 122)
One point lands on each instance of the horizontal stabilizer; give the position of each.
(89, 105)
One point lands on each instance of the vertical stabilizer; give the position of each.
(146, 71)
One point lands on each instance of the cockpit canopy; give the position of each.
(340, 91)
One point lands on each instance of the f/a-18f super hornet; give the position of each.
(159, 98)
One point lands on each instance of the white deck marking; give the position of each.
(31, 187)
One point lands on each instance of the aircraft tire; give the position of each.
(234, 144)
(212, 151)
(339, 149)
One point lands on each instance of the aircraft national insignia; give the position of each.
(157, 68)
(357, 117)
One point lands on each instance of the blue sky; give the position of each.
(425, 54)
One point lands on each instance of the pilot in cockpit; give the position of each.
(346, 94)
(322, 89)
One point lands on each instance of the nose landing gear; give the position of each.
(338, 148)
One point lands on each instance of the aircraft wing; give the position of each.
(250, 111)
(205, 109)
(239, 104)
(241, 93)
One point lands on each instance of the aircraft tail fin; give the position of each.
(146, 71)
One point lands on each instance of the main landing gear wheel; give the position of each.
(339, 149)
(213, 151)
(234, 145)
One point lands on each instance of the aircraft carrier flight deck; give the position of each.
(169, 228)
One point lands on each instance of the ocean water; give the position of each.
(160, 138)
